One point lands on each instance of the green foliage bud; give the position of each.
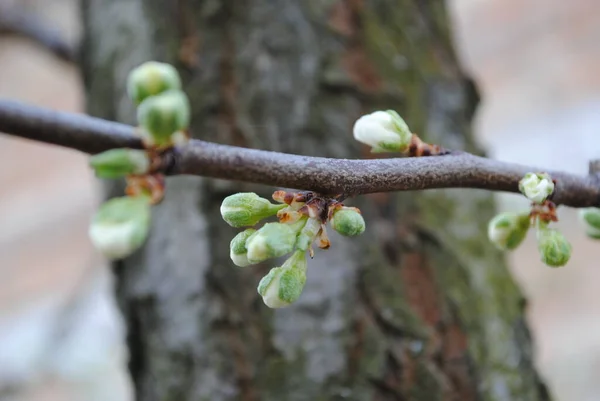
(554, 248)
(121, 226)
(536, 187)
(117, 163)
(237, 248)
(151, 79)
(508, 230)
(283, 285)
(164, 115)
(348, 222)
(246, 209)
(270, 241)
(384, 131)
(591, 219)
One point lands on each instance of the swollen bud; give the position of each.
(121, 226)
(591, 219)
(554, 248)
(246, 209)
(283, 285)
(117, 163)
(384, 131)
(536, 187)
(151, 79)
(348, 222)
(508, 230)
(163, 116)
(237, 248)
(270, 241)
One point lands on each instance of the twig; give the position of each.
(20, 22)
(324, 175)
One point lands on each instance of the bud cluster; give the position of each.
(508, 230)
(121, 225)
(301, 222)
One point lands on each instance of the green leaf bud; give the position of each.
(283, 285)
(237, 248)
(508, 230)
(536, 187)
(117, 163)
(270, 241)
(121, 226)
(151, 79)
(246, 209)
(348, 222)
(554, 248)
(164, 115)
(591, 220)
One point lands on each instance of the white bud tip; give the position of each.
(384, 131)
(536, 187)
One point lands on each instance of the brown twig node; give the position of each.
(419, 148)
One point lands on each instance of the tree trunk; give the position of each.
(420, 307)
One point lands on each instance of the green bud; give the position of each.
(591, 219)
(508, 230)
(117, 163)
(237, 248)
(121, 226)
(536, 187)
(554, 248)
(348, 222)
(246, 209)
(151, 79)
(270, 241)
(283, 285)
(384, 131)
(164, 115)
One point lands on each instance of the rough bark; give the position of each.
(420, 308)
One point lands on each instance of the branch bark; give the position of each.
(324, 175)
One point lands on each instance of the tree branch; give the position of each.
(20, 22)
(329, 176)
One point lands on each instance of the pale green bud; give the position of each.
(151, 79)
(164, 115)
(384, 131)
(270, 241)
(246, 209)
(117, 163)
(591, 219)
(508, 230)
(348, 222)
(536, 187)
(554, 248)
(237, 248)
(121, 226)
(283, 285)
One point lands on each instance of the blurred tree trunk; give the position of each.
(420, 308)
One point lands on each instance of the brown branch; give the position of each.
(20, 22)
(330, 176)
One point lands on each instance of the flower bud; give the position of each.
(237, 248)
(117, 163)
(384, 131)
(121, 226)
(554, 248)
(151, 79)
(348, 222)
(283, 285)
(164, 115)
(270, 241)
(591, 219)
(536, 187)
(246, 209)
(508, 230)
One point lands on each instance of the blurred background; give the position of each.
(536, 63)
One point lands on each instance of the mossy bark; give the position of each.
(420, 307)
